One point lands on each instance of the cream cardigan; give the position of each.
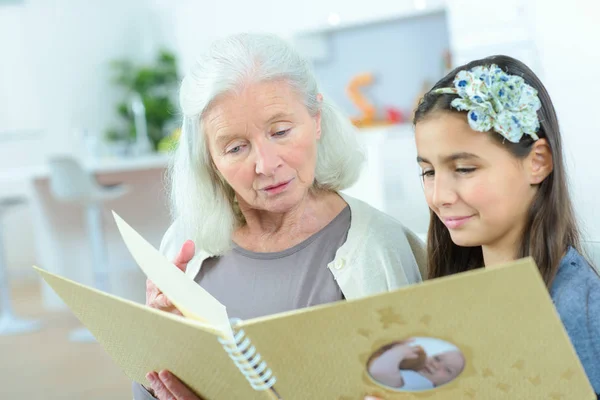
(379, 254)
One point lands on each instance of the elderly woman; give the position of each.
(255, 187)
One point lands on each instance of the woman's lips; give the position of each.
(278, 188)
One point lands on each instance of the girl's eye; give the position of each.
(427, 174)
(465, 171)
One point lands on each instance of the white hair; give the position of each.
(202, 203)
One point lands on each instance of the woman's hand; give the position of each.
(166, 386)
(154, 297)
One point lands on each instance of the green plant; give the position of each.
(156, 85)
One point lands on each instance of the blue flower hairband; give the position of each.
(496, 100)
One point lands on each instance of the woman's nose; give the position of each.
(267, 159)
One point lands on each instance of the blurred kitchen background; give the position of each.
(89, 89)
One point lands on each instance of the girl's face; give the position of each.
(477, 188)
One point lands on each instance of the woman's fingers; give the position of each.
(151, 291)
(157, 299)
(161, 301)
(179, 390)
(158, 387)
(167, 386)
(154, 297)
(185, 255)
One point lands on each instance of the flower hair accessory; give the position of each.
(496, 100)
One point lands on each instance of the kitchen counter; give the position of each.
(60, 238)
(96, 166)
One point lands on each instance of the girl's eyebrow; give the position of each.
(451, 157)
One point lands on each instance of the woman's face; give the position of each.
(477, 188)
(263, 141)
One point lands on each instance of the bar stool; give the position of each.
(70, 183)
(10, 324)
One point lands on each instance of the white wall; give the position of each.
(197, 23)
(567, 37)
(504, 30)
(55, 80)
(55, 76)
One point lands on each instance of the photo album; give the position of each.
(488, 334)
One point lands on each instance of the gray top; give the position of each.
(253, 284)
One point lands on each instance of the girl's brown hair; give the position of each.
(550, 228)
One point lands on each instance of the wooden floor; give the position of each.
(46, 366)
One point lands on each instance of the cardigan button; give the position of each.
(339, 264)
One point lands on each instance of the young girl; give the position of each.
(490, 151)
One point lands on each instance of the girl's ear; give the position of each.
(540, 162)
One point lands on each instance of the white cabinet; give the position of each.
(390, 180)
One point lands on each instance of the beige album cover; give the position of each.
(483, 334)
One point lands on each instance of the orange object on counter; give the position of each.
(359, 100)
(368, 116)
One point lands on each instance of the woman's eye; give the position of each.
(465, 171)
(281, 133)
(235, 149)
(427, 174)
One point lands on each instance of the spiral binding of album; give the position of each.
(248, 361)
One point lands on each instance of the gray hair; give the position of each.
(202, 203)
